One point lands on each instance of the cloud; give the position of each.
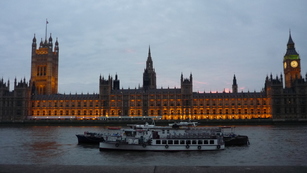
(213, 40)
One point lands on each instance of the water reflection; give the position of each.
(42, 144)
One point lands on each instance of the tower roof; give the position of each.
(291, 52)
(149, 55)
(149, 63)
(290, 41)
(34, 39)
(234, 81)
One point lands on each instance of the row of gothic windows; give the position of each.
(61, 104)
(63, 113)
(137, 103)
(41, 70)
(195, 112)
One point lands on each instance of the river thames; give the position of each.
(270, 145)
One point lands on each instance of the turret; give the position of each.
(56, 47)
(234, 85)
(149, 75)
(4, 88)
(273, 85)
(41, 43)
(116, 83)
(33, 44)
(50, 45)
(186, 85)
(149, 63)
(105, 85)
(21, 84)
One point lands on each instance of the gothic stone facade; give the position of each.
(39, 97)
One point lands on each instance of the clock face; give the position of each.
(294, 64)
(285, 65)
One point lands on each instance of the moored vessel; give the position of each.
(232, 139)
(160, 138)
(95, 138)
(90, 138)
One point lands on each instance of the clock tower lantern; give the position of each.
(292, 64)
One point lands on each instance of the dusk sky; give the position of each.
(213, 40)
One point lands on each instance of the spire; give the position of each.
(149, 64)
(50, 38)
(41, 43)
(50, 45)
(234, 82)
(34, 43)
(290, 47)
(34, 39)
(56, 42)
(56, 47)
(149, 55)
(149, 75)
(290, 41)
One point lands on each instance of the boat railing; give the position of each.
(190, 136)
(212, 129)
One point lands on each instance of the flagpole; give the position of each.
(46, 30)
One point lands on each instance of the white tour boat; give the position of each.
(159, 138)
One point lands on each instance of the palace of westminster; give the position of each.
(283, 97)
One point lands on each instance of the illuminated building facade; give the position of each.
(39, 97)
(44, 67)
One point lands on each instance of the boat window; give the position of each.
(205, 141)
(193, 141)
(163, 141)
(128, 133)
(170, 141)
(182, 141)
(211, 141)
(200, 141)
(188, 141)
(158, 141)
(176, 142)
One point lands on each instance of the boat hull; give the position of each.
(137, 147)
(83, 139)
(239, 140)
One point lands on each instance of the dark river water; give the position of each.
(270, 145)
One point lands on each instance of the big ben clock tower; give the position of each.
(292, 64)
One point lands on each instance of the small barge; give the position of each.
(233, 139)
(95, 138)
(90, 138)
